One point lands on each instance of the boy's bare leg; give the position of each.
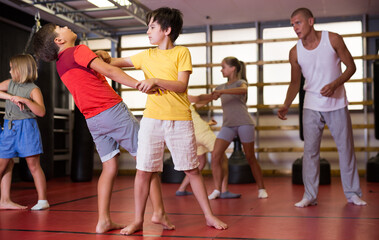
(202, 160)
(6, 181)
(159, 214)
(141, 192)
(198, 188)
(184, 184)
(104, 191)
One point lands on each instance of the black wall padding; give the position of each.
(376, 98)
(82, 150)
(301, 105)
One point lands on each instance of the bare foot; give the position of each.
(103, 227)
(213, 221)
(163, 220)
(12, 205)
(132, 228)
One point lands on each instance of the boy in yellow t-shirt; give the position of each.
(167, 117)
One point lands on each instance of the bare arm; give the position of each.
(237, 91)
(178, 86)
(35, 104)
(117, 62)
(113, 73)
(122, 62)
(294, 86)
(3, 90)
(200, 100)
(345, 56)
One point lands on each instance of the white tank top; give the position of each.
(321, 66)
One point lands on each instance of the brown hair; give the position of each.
(166, 18)
(25, 66)
(44, 46)
(305, 11)
(239, 65)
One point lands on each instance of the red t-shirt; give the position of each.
(90, 90)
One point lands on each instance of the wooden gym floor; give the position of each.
(73, 213)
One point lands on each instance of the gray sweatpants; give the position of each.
(339, 124)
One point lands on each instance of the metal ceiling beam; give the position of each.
(104, 19)
(99, 9)
(65, 13)
(133, 8)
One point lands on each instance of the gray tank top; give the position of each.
(12, 111)
(234, 107)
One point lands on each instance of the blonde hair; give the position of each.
(239, 65)
(25, 66)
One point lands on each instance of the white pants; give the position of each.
(339, 124)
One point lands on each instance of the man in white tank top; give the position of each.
(318, 56)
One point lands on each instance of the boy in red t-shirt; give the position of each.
(108, 118)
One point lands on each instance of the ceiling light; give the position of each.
(101, 3)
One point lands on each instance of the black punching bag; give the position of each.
(372, 166)
(301, 105)
(376, 98)
(82, 150)
(239, 168)
(169, 174)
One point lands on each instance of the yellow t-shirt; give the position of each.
(165, 64)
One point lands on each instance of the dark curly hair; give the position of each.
(167, 17)
(43, 43)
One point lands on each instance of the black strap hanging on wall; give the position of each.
(35, 29)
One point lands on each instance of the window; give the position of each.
(281, 72)
(244, 52)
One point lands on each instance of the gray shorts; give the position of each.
(246, 133)
(114, 127)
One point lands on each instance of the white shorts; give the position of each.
(205, 142)
(177, 135)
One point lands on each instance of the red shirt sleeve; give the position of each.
(84, 56)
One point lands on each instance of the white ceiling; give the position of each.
(213, 12)
(241, 11)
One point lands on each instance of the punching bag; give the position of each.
(301, 105)
(372, 166)
(82, 150)
(376, 98)
(239, 168)
(169, 174)
(297, 172)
